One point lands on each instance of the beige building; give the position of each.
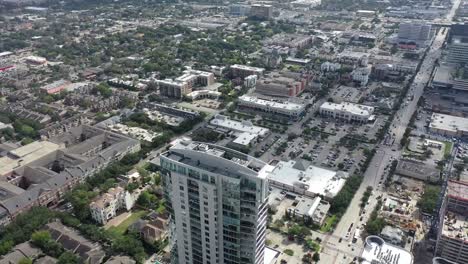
(105, 207)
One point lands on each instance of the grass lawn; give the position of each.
(127, 222)
(329, 223)
(448, 148)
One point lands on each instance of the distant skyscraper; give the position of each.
(217, 198)
(414, 32)
(458, 44)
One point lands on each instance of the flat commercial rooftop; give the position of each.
(449, 123)
(25, 155)
(312, 179)
(443, 74)
(244, 126)
(270, 255)
(355, 109)
(377, 251)
(272, 104)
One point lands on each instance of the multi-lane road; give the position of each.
(383, 157)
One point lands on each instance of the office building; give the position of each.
(458, 50)
(418, 33)
(217, 198)
(261, 11)
(347, 111)
(449, 125)
(284, 109)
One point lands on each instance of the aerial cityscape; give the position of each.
(234, 132)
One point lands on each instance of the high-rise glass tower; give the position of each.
(217, 198)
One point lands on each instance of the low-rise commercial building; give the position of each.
(284, 109)
(418, 170)
(376, 250)
(204, 94)
(347, 111)
(448, 125)
(393, 235)
(309, 181)
(314, 210)
(245, 132)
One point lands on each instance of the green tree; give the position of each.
(25, 261)
(41, 238)
(316, 257)
(68, 258)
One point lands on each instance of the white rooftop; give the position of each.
(272, 104)
(245, 138)
(313, 179)
(376, 251)
(270, 255)
(449, 123)
(248, 68)
(25, 155)
(244, 126)
(355, 109)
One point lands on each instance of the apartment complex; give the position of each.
(242, 71)
(347, 111)
(285, 109)
(105, 206)
(185, 83)
(51, 172)
(283, 84)
(217, 198)
(261, 11)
